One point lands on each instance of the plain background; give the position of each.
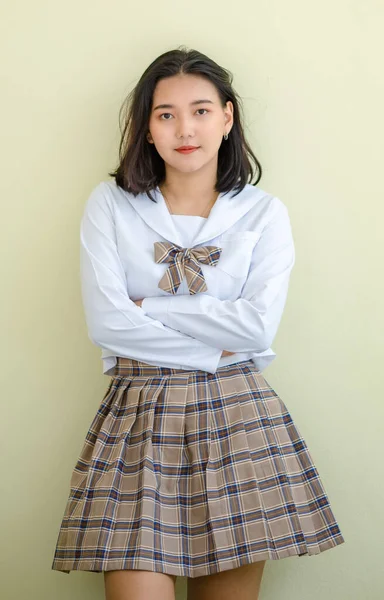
(312, 80)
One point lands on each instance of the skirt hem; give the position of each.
(149, 565)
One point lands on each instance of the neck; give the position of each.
(188, 190)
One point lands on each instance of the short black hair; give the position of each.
(141, 168)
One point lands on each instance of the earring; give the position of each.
(226, 136)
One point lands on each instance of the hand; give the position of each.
(138, 302)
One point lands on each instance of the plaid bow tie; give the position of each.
(185, 261)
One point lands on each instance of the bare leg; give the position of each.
(242, 583)
(139, 585)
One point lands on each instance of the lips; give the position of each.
(187, 149)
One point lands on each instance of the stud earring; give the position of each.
(226, 136)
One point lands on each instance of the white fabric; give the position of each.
(188, 227)
(247, 289)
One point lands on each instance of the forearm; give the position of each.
(224, 352)
(241, 325)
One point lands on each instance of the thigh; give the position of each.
(242, 583)
(138, 585)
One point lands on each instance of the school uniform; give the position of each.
(192, 463)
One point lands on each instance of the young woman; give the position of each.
(192, 465)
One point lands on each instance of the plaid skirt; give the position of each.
(191, 473)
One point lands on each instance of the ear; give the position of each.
(228, 111)
(149, 138)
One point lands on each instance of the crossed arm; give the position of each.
(180, 329)
(224, 353)
(249, 323)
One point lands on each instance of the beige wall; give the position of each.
(313, 85)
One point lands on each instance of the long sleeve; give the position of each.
(250, 323)
(113, 320)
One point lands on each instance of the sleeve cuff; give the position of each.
(207, 356)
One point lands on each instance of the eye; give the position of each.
(163, 114)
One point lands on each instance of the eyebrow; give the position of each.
(191, 104)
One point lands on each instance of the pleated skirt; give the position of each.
(191, 473)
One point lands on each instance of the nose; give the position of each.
(185, 128)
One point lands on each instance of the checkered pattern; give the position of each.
(190, 473)
(185, 261)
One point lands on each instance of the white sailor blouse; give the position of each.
(225, 290)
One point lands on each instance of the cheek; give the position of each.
(158, 131)
(216, 126)
(163, 144)
(164, 139)
(159, 134)
(212, 138)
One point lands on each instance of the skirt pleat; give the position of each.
(191, 473)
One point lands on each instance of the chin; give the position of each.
(185, 166)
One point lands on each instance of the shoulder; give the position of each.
(106, 197)
(261, 203)
(106, 191)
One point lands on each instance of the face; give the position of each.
(192, 116)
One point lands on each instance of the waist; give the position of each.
(126, 367)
